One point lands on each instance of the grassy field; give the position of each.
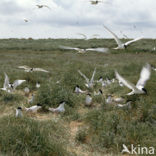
(83, 131)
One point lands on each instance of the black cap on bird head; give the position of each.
(100, 91)
(39, 104)
(19, 108)
(145, 91)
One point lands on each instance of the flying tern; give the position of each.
(30, 69)
(82, 51)
(7, 86)
(120, 44)
(139, 88)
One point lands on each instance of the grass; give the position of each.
(103, 128)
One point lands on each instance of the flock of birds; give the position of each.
(139, 88)
(120, 44)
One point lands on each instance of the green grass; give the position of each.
(104, 127)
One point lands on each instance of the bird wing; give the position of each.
(125, 82)
(24, 67)
(40, 69)
(144, 76)
(84, 76)
(46, 6)
(92, 79)
(17, 83)
(102, 50)
(129, 42)
(115, 36)
(6, 81)
(70, 48)
(85, 37)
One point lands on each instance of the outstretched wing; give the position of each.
(40, 69)
(137, 39)
(84, 76)
(47, 6)
(85, 37)
(115, 36)
(70, 48)
(124, 81)
(24, 67)
(92, 79)
(6, 81)
(144, 76)
(17, 83)
(101, 50)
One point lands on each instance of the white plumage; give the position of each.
(139, 88)
(118, 41)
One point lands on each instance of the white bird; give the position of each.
(109, 100)
(95, 2)
(41, 6)
(100, 92)
(88, 100)
(78, 90)
(59, 109)
(89, 83)
(118, 99)
(7, 86)
(100, 80)
(82, 51)
(26, 91)
(139, 88)
(19, 112)
(33, 109)
(38, 85)
(128, 104)
(29, 69)
(84, 36)
(120, 44)
(25, 20)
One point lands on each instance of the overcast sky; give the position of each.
(67, 18)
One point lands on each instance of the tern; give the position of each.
(59, 109)
(38, 85)
(153, 68)
(89, 83)
(128, 104)
(42, 6)
(88, 100)
(100, 92)
(78, 90)
(139, 88)
(119, 42)
(25, 20)
(7, 86)
(109, 100)
(19, 112)
(95, 2)
(33, 109)
(29, 69)
(82, 51)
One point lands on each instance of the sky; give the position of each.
(68, 18)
